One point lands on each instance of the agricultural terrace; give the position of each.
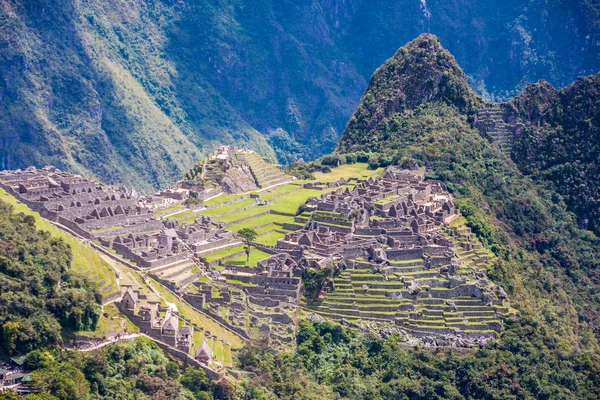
(356, 170)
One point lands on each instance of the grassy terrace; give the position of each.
(290, 202)
(85, 260)
(259, 221)
(168, 210)
(229, 207)
(183, 214)
(243, 214)
(225, 198)
(223, 253)
(357, 170)
(286, 198)
(272, 193)
(255, 256)
(270, 238)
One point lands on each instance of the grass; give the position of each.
(168, 210)
(357, 170)
(242, 214)
(268, 195)
(223, 199)
(229, 207)
(270, 238)
(110, 322)
(227, 361)
(223, 253)
(259, 221)
(184, 214)
(255, 256)
(84, 258)
(290, 202)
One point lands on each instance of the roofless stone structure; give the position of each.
(401, 262)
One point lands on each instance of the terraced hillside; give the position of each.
(395, 293)
(228, 286)
(264, 173)
(236, 170)
(490, 122)
(440, 292)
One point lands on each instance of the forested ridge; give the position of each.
(560, 143)
(39, 293)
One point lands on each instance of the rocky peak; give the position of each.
(420, 72)
(535, 102)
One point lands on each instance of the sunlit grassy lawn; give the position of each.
(255, 256)
(229, 207)
(357, 170)
(263, 219)
(269, 238)
(168, 210)
(223, 253)
(223, 199)
(198, 318)
(290, 202)
(183, 214)
(84, 258)
(227, 356)
(268, 195)
(243, 214)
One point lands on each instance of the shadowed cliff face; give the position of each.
(136, 92)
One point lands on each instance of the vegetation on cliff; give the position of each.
(333, 362)
(39, 293)
(136, 91)
(559, 145)
(136, 370)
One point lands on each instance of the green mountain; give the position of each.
(559, 144)
(419, 111)
(137, 92)
(548, 259)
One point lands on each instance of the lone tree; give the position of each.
(247, 235)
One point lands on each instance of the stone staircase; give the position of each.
(491, 125)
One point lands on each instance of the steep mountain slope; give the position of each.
(560, 143)
(419, 73)
(547, 260)
(136, 92)
(39, 292)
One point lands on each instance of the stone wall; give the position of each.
(404, 254)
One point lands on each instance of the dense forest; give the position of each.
(560, 143)
(138, 370)
(39, 294)
(331, 362)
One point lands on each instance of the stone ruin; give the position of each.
(403, 262)
(117, 218)
(237, 170)
(398, 258)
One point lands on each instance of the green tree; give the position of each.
(247, 235)
(196, 381)
(62, 380)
